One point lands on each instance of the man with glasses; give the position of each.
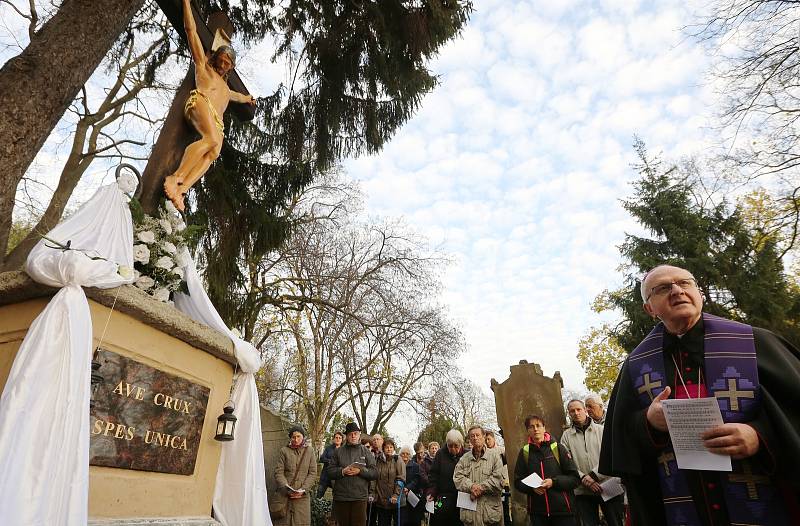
(754, 375)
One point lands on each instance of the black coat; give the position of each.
(440, 475)
(325, 459)
(626, 453)
(412, 477)
(558, 500)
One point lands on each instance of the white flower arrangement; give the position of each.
(146, 236)
(161, 253)
(141, 254)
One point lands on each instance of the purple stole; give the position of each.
(731, 373)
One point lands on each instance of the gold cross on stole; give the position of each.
(749, 480)
(733, 395)
(664, 459)
(648, 386)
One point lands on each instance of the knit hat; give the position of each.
(297, 428)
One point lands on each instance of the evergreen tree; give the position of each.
(437, 429)
(361, 74)
(740, 273)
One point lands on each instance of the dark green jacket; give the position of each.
(351, 488)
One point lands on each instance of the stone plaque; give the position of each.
(144, 418)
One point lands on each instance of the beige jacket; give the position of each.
(585, 449)
(299, 510)
(487, 471)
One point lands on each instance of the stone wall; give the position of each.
(274, 429)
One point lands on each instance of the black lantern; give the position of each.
(97, 379)
(226, 423)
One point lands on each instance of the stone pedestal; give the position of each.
(526, 392)
(166, 378)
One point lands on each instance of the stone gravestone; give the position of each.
(526, 392)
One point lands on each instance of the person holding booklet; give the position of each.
(352, 468)
(442, 492)
(546, 473)
(582, 439)
(295, 473)
(751, 374)
(414, 512)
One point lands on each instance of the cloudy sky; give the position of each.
(517, 162)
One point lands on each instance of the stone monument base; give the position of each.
(175, 521)
(153, 457)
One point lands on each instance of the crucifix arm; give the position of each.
(195, 45)
(241, 98)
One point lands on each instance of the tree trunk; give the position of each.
(37, 86)
(74, 168)
(174, 137)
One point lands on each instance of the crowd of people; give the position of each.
(689, 354)
(375, 483)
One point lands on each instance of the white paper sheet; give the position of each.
(533, 480)
(611, 488)
(429, 507)
(412, 499)
(464, 502)
(687, 419)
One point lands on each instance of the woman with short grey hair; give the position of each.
(455, 437)
(442, 490)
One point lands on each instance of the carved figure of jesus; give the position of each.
(203, 110)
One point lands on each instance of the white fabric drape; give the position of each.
(240, 494)
(44, 408)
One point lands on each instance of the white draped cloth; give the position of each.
(44, 409)
(240, 494)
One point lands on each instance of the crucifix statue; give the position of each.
(203, 109)
(179, 159)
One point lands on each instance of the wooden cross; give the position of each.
(648, 386)
(733, 395)
(664, 459)
(749, 480)
(176, 134)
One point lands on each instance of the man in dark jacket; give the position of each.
(552, 502)
(442, 490)
(325, 459)
(352, 467)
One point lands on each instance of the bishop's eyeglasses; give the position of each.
(665, 288)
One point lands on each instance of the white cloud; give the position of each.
(516, 163)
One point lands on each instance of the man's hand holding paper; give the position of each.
(737, 440)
